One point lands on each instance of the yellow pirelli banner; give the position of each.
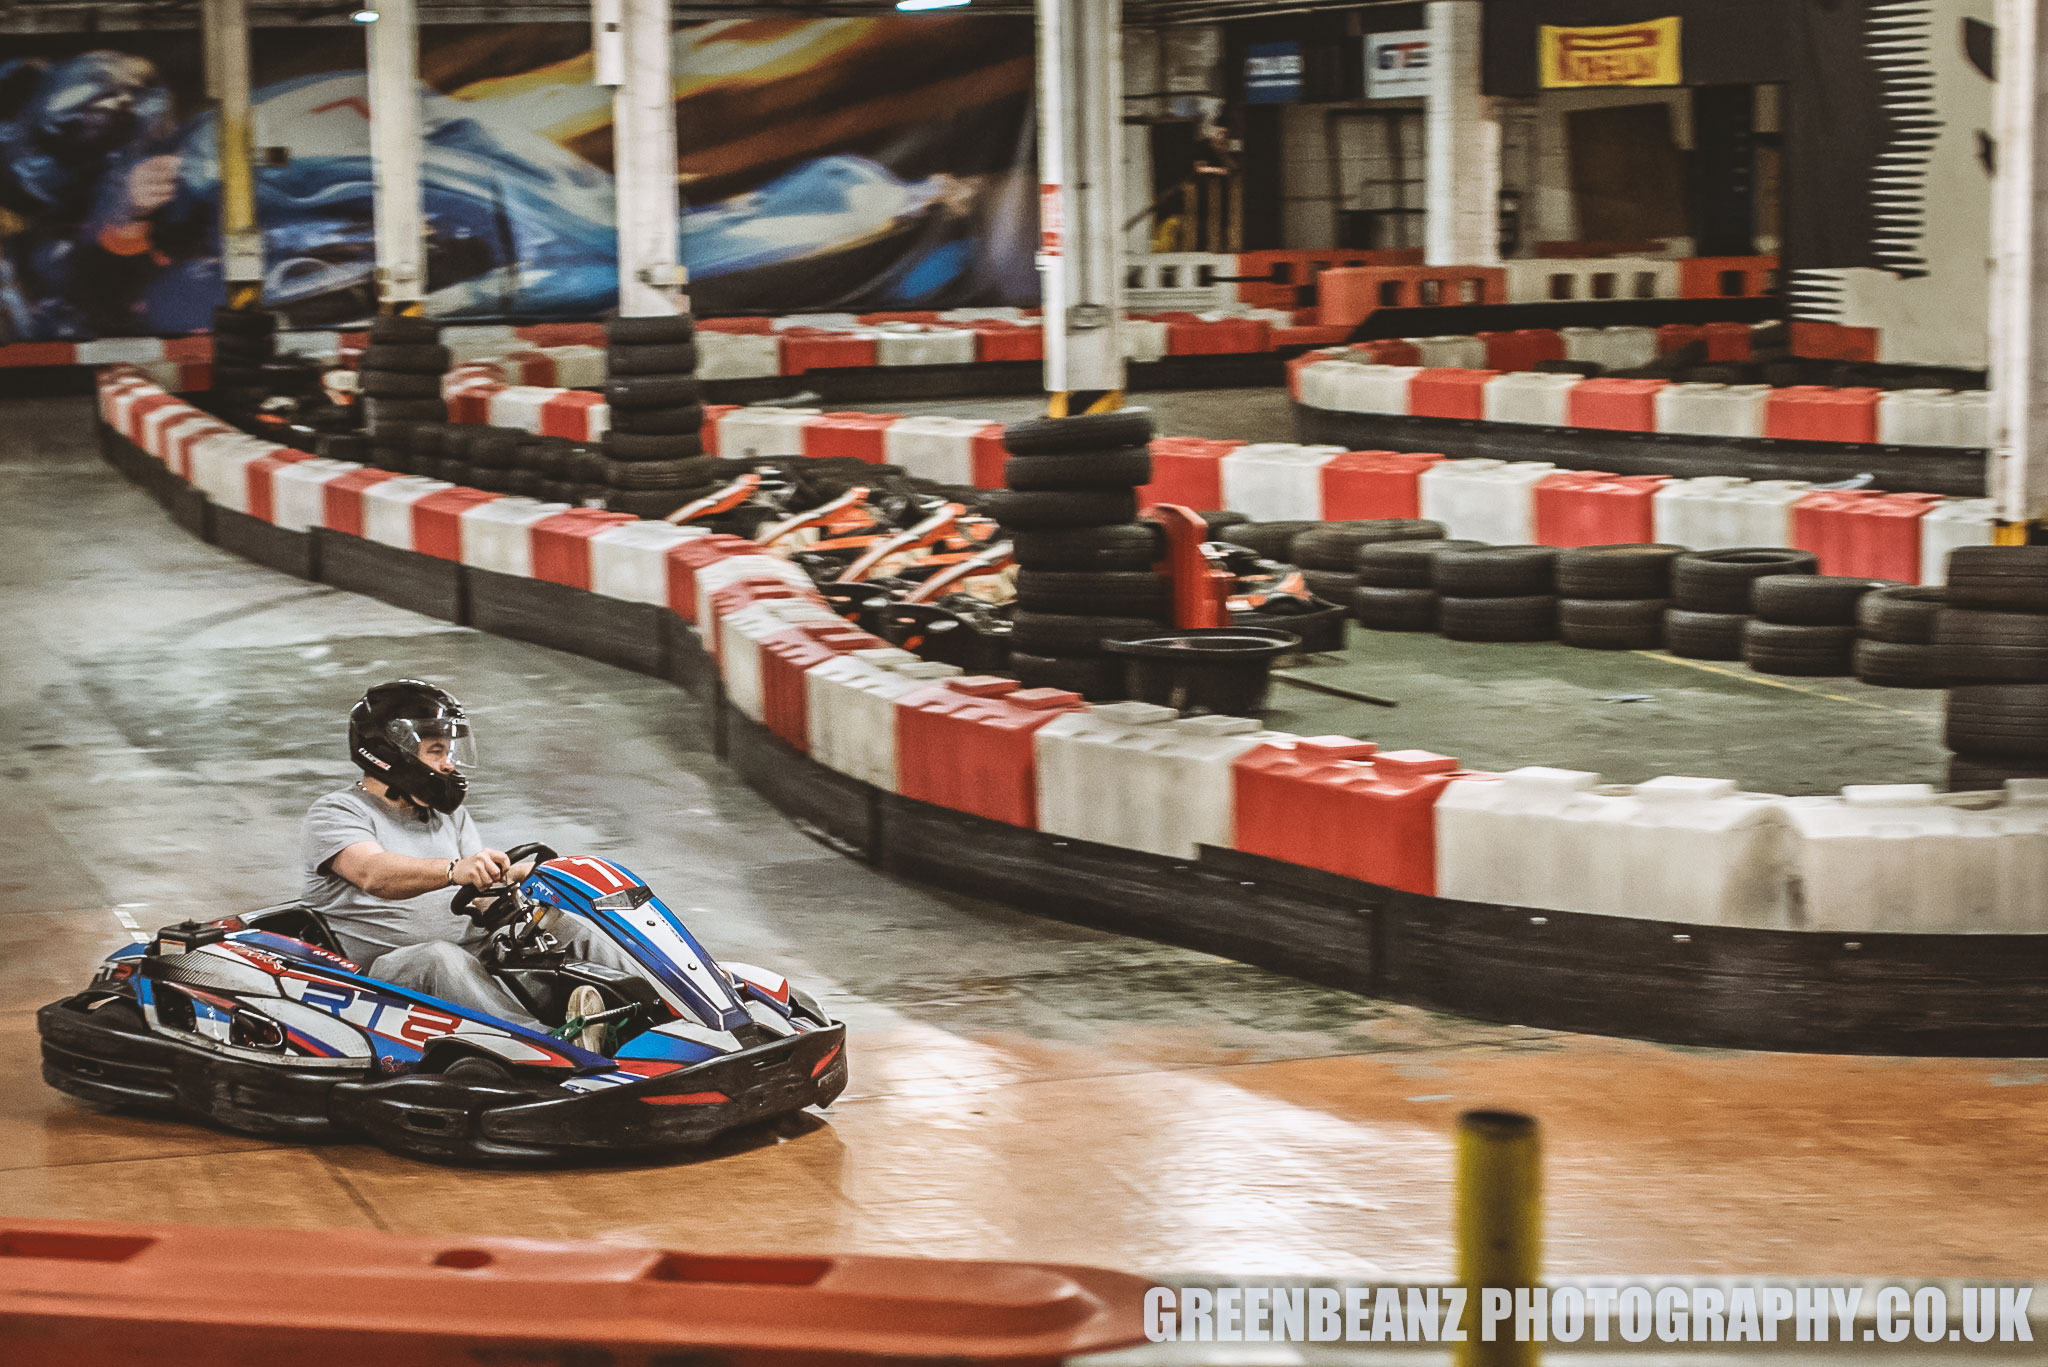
(1611, 54)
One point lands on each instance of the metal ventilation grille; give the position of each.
(1900, 41)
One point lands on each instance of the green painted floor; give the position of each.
(1629, 715)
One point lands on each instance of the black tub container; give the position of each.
(1210, 669)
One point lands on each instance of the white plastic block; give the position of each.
(850, 710)
(1712, 410)
(1529, 396)
(936, 447)
(1951, 523)
(1276, 481)
(1717, 511)
(1485, 500)
(1144, 340)
(579, 366)
(1544, 280)
(387, 508)
(719, 573)
(828, 322)
(220, 467)
(298, 492)
(1674, 849)
(1900, 857)
(914, 344)
(995, 315)
(737, 355)
(630, 561)
(1913, 417)
(519, 406)
(739, 645)
(1623, 348)
(1463, 353)
(1370, 388)
(498, 535)
(1138, 776)
(1178, 281)
(763, 431)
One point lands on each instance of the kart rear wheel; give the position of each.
(477, 1068)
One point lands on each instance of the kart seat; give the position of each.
(297, 921)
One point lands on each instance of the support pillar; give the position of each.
(395, 140)
(1461, 179)
(2018, 476)
(1081, 204)
(635, 47)
(226, 31)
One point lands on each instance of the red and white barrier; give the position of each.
(851, 716)
(631, 561)
(938, 448)
(298, 493)
(498, 535)
(1276, 481)
(1173, 775)
(1485, 500)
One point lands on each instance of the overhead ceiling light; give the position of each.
(364, 16)
(929, 4)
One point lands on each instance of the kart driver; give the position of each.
(380, 856)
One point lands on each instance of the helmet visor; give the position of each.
(436, 741)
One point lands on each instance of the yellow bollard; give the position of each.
(1500, 1225)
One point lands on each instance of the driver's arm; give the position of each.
(396, 877)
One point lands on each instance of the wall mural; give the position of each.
(856, 164)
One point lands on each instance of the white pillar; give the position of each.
(635, 46)
(1081, 202)
(1461, 182)
(2018, 477)
(226, 28)
(395, 137)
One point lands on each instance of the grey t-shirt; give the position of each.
(368, 925)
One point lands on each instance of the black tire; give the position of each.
(2009, 577)
(1122, 593)
(243, 351)
(1335, 545)
(1221, 520)
(244, 323)
(493, 449)
(239, 377)
(1892, 664)
(1967, 775)
(652, 391)
(432, 440)
(1098, 678)
(1903, 616)
(1992, 647)
(1332, 586)
(398, 384)
(1136, 546)
(652, 504)
(1126, 468)
(1704, 635)
(1719, 581)
(1520, 617)
(1070, 636)
(1612, 623)
(652, 330)
(1494, 572)
(399, 330)
(680, 421)
(523, 482)
(1062, 509)
(694, 473)
(1999, 722)
(407, 358)
(1812, 600)
(1273, 540)
(351, 446)
(454, 471)
(1083, 432)
(1394, 609)
(1618, 572)
(396, 459)
(662, 358)
(1402, 564)
(631, 446)
(541, 455)
(1807, 651)
(406, 410)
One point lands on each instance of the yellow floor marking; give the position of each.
(1747, 676)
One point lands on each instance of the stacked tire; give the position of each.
(1395, 584)
(1614, 597)
(1991, 640)
(244, 343)
(1895, 638)
(1710, 597)
(398, 384)
(1086, 563)
(652, 460)
(1496, 593)
(1805, 624)
(1327, 552)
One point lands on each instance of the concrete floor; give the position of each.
(1020, 1088)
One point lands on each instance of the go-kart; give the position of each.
(257, 1023)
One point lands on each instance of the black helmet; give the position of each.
(388, 727)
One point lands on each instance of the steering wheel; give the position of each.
(464, 901)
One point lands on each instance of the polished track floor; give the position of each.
(1021, 1088)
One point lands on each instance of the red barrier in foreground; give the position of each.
(107, 1295)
